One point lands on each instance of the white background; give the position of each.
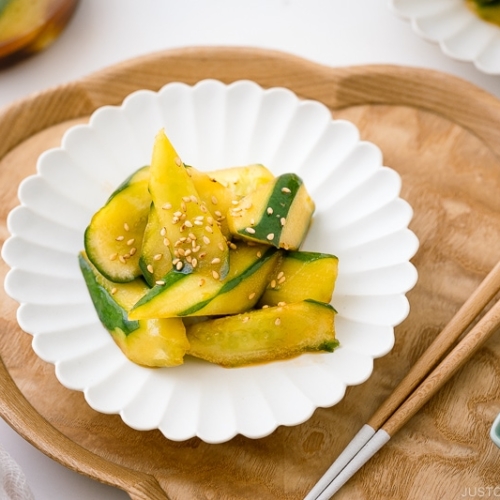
(104, 32)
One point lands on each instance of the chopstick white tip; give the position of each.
(379, 439)
(357, 443)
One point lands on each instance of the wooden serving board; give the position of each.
(443, 136)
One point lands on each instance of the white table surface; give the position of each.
(104, 32)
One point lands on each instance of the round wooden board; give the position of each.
(441, 134)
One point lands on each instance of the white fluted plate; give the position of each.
(360, 217)
(460, 33)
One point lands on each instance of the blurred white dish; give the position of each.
(359, 217)
(460, 33)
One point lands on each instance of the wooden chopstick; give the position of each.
(405, 401)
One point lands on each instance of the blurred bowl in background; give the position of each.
(28, 27)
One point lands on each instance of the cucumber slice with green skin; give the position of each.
(114, 236)
(189, 294)
(151, 342)
(301, 276)
(278, 213)
(241, 181)
(155, 260)
(264, 334)
(195, 240)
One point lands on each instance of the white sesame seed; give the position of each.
(214, 200)
(133, 250)
(269, 210)
(283, 221)
(130, 241)
(215, 260)
(113, 256)
(245, 319)
(201, 282)
(194, 262)
(166, 242)
(277, 322)
(179, 265)
(167, 206)
(259, 254)
(188, 223)
(126, 227)
(203, 208)
(281, 304)
(215, 274)
(281, 280)
(209, 229)
(160, 282)
(187, 199)
(273, 284)
(120, 238)
(183, 206)
(121, 258)
(206, 240)
(194, 199)
(158, 256)
(178, 213)
(285, 190)
(198, 223)
(221, 246)
(150, 268)
(270, 236)
(250, 230)
(114, 290)
(280, 274)
(251, 296)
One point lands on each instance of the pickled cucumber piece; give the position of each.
(113, 238)
(278, 213)
(195, 240)
(149, 342)
(188, 294)
(302, 275)
(264, 334)
(241, 181)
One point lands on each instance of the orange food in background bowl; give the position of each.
(29, 26)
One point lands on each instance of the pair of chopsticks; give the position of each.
(427, 376)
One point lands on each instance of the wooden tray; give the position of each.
(443, 136)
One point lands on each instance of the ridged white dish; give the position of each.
(460, 33)
(360, 218)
